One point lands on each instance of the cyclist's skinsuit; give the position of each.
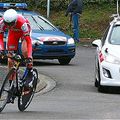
(21, 29)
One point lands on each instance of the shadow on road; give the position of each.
(49, 63)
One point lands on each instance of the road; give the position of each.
(74, 96)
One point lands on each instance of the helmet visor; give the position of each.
(9, 23)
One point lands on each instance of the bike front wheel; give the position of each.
(5, 89)
(25, 99)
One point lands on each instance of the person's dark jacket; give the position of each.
(75, 6)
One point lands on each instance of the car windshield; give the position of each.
(39, 23)
(115, 35)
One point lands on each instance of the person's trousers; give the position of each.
(75, 20)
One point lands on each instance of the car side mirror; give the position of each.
(97, 43)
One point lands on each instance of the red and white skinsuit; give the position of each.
(21, 29)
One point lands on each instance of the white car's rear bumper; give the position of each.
(114, 77)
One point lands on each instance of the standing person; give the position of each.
(18, 29)
(75, 9)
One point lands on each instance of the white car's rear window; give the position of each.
(115, 35)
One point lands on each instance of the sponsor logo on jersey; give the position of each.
(24, 27)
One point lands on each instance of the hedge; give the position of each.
(55, 4)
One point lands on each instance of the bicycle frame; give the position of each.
(17, 87)
(16, 65)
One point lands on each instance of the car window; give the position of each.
(115, 35)
(33, 23)
(105, 35)
(37, 23)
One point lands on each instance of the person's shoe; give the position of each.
(26, 90)
(78, 40)
(11, 95)
(10, 99)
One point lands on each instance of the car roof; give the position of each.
(19, 7)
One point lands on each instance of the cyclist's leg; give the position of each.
(25, 51)
(29, 65)
(12, 46)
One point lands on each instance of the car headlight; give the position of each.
(36, 42)
(112, 59)
(71, 41)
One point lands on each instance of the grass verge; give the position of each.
(93, 21)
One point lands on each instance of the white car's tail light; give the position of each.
(101, 57)
(109, 58)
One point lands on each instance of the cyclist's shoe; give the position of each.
(29, 79)
(26, 90)
(2, 53)
(11, 95)
(11, 99)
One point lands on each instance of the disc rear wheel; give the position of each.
(26, 96)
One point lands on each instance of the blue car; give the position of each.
(47, 40)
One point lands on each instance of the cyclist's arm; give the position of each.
(26, 33)
(29, 45)
(2, 29)
(1, 41)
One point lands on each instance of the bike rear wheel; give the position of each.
(4, 91)
(24, 100)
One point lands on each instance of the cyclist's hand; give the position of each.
(28, 60)
(17, 57)
(29, 63)
(2, 54)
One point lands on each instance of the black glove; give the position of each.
(17, 57)
(2, 53)
(29, 63)
(28, 60)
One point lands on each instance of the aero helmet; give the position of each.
(10, 17)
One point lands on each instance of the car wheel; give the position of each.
(64, 61)
(100, 87)
(97, 76)
(96, 83)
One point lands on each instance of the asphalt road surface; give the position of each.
(74, 96)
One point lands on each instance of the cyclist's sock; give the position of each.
(10, 81)
(10, 99)
(11, 95)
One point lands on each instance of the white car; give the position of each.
(107, 59)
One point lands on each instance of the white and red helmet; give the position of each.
(10, 17)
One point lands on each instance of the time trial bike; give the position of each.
(24, 96)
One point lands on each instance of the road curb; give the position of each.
(41, 83)
(45, 84)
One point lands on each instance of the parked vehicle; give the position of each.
(48, 41)
(107, 60)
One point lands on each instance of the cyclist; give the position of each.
(18, 29)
